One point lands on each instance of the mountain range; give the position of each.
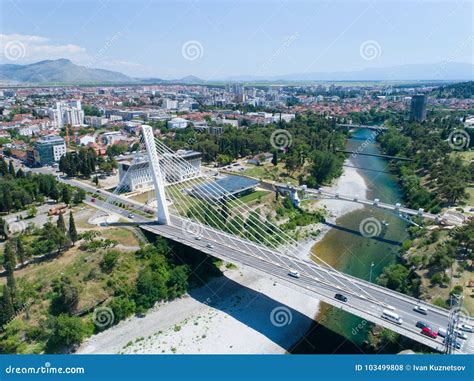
(63, 71)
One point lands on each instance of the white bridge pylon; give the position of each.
(155, 171)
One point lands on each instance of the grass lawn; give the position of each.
(269, 172)
(123, 236)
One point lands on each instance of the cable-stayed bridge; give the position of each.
(198, 212)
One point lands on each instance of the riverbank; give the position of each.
(241, 312)
(350, 183)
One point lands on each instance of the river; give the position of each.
(348, 251)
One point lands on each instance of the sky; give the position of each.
(222, 39)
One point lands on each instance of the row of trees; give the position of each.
(19, 190)
(435, 178)
(85, 162)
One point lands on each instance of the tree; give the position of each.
(3, 167)
(72, 229)
(395, 277)
(79, 196)
(67, 331)
(122, 308)
(66, 194)
(6, 311)
(109, 261)
(275, 158)
(67, 295)
(9, 263)
(3, 228)
(20, 250)
(54, 194)
(61, 224)
(11, 169)
(96, 180)
(32, 211)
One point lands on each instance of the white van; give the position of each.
(392, 316)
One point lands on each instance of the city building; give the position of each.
(48, 150)
(136, 176)
(177, 123)
(111, 137)
(170, 104)
(67, 113)
(418, 107)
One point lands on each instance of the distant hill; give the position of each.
(63, 71)
(449, 71)
(58, 71)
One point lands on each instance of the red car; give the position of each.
(429, 332)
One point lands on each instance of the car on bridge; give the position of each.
(341, 297)
(421, 310)
(294, 274)
(421, 324)
(456, 344)
(429, 332)
(442, 332)
(466, 328)
(210, 246)
(392, 316)
(460, 334)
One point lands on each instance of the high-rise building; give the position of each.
(67, 113)
(49, 150)
(418, 107)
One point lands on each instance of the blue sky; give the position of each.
(218, 39)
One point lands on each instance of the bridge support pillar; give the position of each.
(158, 181)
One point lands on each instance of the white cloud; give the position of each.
(21, 48)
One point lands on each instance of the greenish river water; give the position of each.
(345, 249)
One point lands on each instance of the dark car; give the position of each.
(422, 325)
(341, 297)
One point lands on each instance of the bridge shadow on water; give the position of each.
(280, 323)
(358, 233)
